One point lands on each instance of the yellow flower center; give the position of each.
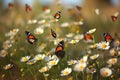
(105, 73)
(104, 45)
(81, 67)
(113, 60)
(66, 72)
(53, 62)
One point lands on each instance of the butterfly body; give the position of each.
(28, 8)
(59, 51)
(30, 37)
(53, 33)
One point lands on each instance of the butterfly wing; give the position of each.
(59, 51)
(30, 38)
(114, 18)
(53, 33)
(57, 15)
(88, 37)
(107, 37)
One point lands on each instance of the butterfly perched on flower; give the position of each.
(88, 37)
(53, 33)
(107, 37)
(30, 37)
(57, 15)
(10, 5)
(59, 51)
(28, 8)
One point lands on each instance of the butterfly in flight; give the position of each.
(88, 37)
(78, 8)
(53, 33)
(59, 51)
(27, 8)
(30, 37)
(10, 5)
(57, 15)
(114, 18)
(107, 37)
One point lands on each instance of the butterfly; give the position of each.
(59, 51)
(30, 37)
(88, 37)
(114, 18)
(53, 33)
(78, 8)
(27, 8)
(10, 5)
(57, 15)
(107, 37)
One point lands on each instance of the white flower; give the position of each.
(50, 57)
(80, 67)
(103, 45)
(92, 46)
(91, 31)
(84, 59)
(3, 53)
(79, 37)
(41, 47)
(39, 30)
(52, 63)
(97, 11)
(105, 72)
(32, 61)
(66, 24)
(44, 69)
(25, 59)
(39, 57)
(90, 70)
(78, 23)
(70, 35)
(73, 41)
(41, 22)
(8, 66)
(72, 62)
(93, 57)
(112, 52)
(66, 71)
(112, 61)
(7, 44)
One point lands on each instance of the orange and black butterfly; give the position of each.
(88, 37)
(114, 18)
(107, 37)
(78, 8)
(27, 8)
(59, 51)
(53, 33)
(30, 37)
(10, 5)
(57, 15)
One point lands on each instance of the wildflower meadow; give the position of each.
(55, 42)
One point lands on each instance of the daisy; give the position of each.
(91, 31)
(84, 59)
(73, 41)
(50, 57)
(31, 62)
(66, 71)
(90, 70)
(70, 35)
(72, 62)
(44, 69)
(97, 11)
(8, 66)
(3, 53)
(112, 61)
(25, 59)
(93, 57)
(79, 37)
(112, 52)
(52, 63)
(92, 46)
(80, 67)
(41, 47)
(65, 24)
(39, 57)
(41, 21)
(105, 72)
(39, 30)
(103, 45)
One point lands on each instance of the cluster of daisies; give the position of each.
(8, 43)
